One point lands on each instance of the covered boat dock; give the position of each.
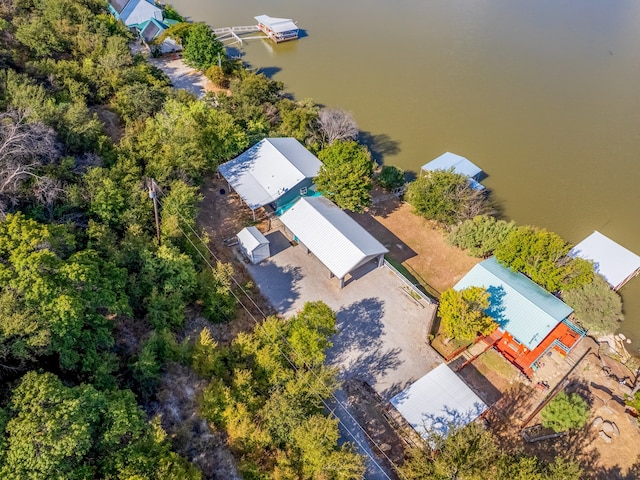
(610, 259)
(278, 29)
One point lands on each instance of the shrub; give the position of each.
(565, 412)
(217, 76)
(390, 178)
(481, 235)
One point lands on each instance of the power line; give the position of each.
(284, 339)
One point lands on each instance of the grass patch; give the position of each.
(447, 349)
(496, 363)
(405, 272)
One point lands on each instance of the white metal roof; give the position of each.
(459, 164)
(278, 25)
(332, 235)
(269, 169)
(251, 238)
(437, 400)
(610, 259)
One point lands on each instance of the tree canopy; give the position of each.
(446, 197)
(462, 313)
(345, 175)
(542, 256)
(472, 453)
(201, 48)
(480, 235)
(597, 307)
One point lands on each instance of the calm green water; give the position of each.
(544, 95)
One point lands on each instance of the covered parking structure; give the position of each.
(323, 229)
(438, 401)
(275, 171)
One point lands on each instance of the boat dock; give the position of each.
(277, 29)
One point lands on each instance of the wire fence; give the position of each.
(415, 287)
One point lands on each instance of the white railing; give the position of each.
(414, 288)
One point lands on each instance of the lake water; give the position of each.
(543, 95)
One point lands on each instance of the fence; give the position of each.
(415, 288)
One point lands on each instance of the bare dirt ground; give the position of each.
(182, 76)
(222, 216)
(612, 456)
(415, 242)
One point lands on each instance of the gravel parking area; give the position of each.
(383, 331)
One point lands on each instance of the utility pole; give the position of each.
(151, 184)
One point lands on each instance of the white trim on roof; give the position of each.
(333, 236)
(438, 400)
(268, 170)
(610, 259)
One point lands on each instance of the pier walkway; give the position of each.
(232, 34)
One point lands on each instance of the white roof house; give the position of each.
(269, 170)
(135, 12)
(277, 25)
(331, 235)
(610, 259)
(253, 244)
(459, 164)
(437, 401)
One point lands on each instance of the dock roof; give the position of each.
(277, 25)
(437, 400)
(269, 169)
(335, 238)
(460, 165)
(518, 305)
(610, 259)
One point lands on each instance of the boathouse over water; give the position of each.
(460, 165)
(611, 260)
(278, 29)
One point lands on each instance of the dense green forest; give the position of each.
(93, 309)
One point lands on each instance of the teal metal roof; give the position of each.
(519, 306)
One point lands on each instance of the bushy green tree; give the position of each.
(481, 235)
(471, 453)
(215, 293)
(201, 47)
(597, 307)
(565, 412)
(269, 398)
(184, 141)
(390, 178)
(345, 175)
(56, 299)
(542, 256)
(55, 431)
(446, 197)
(462, 313)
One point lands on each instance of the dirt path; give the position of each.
(182, 76)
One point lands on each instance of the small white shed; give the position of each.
(253, 244)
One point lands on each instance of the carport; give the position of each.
(335, 239)
(437, 401)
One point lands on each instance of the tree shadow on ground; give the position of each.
(398, 250)
(358, 347)
(480, 384)
(279, 284)
(379, 145)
